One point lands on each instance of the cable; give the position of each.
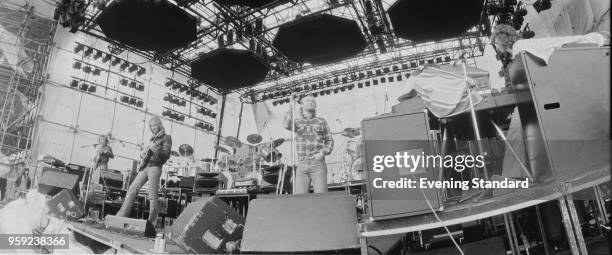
(440, 220)
(375, 249)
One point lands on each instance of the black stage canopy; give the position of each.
(229, 69)
(148, 25)
(429, 20)
(252, 3)
(320, 39)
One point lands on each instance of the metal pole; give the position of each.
(473, 113)
(293, 149)
(220, 126)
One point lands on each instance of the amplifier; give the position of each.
(387, 135)
(564, 109)
(113, 178)
(53, 180)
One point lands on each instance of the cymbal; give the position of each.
(232, 142)
(185, 150)
(278, 142)
(351, 132)
(221, 149)
(254, 138)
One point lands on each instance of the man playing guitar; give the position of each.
(152, 159)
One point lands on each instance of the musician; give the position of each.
(23, 184)
(103, 154)
(160, 146)
(313, 142)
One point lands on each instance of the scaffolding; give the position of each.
(25, 45)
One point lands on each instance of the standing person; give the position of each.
(313, 142)
(2, 188)
(23, 183)
(103, 154)
(159, 149)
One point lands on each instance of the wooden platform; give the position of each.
(560, 185)
(122, 243)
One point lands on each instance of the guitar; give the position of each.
(145, 160)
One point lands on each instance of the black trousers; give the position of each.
(2, 188)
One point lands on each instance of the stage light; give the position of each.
(220, 41)
(169, 83)
(92, 89)
(413, 64)
(360, 85)
(97, 55)
(132, 84)
(542, 5)
(336, 80)
(350, 87)
(367, 83)
(421, 62)
(87, 69)
(88, 52)
(395, 68)
(124, 65)
(78, 48)
(306, 87)
(96, 72)
(374, 82)
(382, 80)
(213, 101)
(252, 45)
(407, 75)
(258, 25)
(84, 86)
(430, 61)
(447, 59)
(404, 66)
(370, 73)
(399, 77)
(386, 70)
(213, 115)
(140, 87)
(328, 82)
(391, 78)
(133, 68)
(361, 75)
(74, 83)
(123, 82)
(321, 93)
(125, 99)
(141, 71)
(343, 88)
(378, 72)
(140, 104)
(106, 58)
(115, 61)
(344, 80)
(76, 65)
(381, 45)
(176, 86)
(353, 77)
(183, 88)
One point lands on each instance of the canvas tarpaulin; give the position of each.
(443, 90)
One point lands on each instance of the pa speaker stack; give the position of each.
(52, 181)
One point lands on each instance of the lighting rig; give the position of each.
(363, 72)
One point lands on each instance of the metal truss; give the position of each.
(404, 58)
(218, 23)
(30, 37)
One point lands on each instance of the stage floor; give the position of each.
(555, 187)
(122, 243)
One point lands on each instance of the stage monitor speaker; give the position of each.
(207, 226)
(308, 223)
(52, 181)
(564, 108)
(387, 135)
(66, 205)
(130, 226)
